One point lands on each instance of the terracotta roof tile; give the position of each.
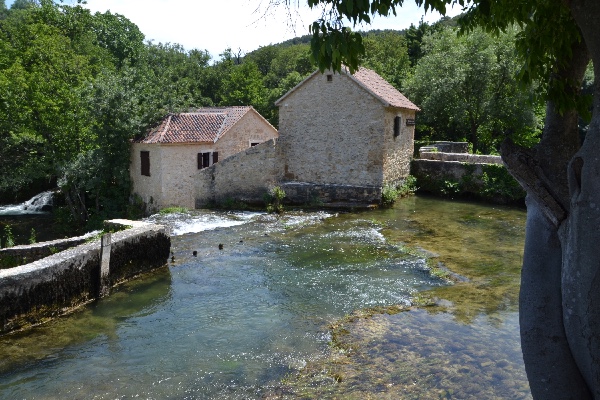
(382, 89)
(372, 83)
(203, 125)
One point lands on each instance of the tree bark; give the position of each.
(581, 234)
(550, 366)
(553, 369)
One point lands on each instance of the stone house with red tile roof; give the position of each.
(340, 130)
(165, 162)
(342, 137)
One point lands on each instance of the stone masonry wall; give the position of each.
(440, 170)
(447, 147)
(316, 194)
(331, 132)
(398, 150)
(35, 292)
(149, 188)
(251, 128)
(245, 176)
(179, 165)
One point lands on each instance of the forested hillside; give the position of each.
(76, 87)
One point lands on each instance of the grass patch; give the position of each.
(173, 210)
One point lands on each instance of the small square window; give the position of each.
(329, 78)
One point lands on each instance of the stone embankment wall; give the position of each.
(33, 293)
(442, 170)
(449, 174)
(331, 195)
(245, 176)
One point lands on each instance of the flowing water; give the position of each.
(234, 322)
(30, 220)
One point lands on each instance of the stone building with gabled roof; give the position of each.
(342, 138)
(165, 162)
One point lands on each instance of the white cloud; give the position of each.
(215, 25)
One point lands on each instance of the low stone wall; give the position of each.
(35, 292)
(446, 170)
(23, 254)
(486, 181)
(245, 176)
(461, 157)
(315, 194)
(447, 147)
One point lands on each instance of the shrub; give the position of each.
(389, 195)
(408, 186)
(273, 199)
(10, 239)
(32, 236)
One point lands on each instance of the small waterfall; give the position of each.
(40, 203)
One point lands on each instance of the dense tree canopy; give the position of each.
(467, 89)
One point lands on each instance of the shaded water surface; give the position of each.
(233, 323)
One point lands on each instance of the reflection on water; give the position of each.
(232, 323)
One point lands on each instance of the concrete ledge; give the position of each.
(23, 254)
(33, 293)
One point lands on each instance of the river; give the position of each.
(253, 319)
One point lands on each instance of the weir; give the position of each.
(55, 285)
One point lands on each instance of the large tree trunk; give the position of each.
(581, 232)
(551, 367)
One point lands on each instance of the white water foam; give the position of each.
(207, 222)
(39, 204)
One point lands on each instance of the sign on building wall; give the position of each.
(410, 121)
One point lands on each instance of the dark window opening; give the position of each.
(204, 159)
(329, 78)
(252, 144)
(145, 159)
(397, 122)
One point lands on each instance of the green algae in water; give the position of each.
(415, 355)
(465, 346)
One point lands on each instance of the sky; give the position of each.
(215, 25)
